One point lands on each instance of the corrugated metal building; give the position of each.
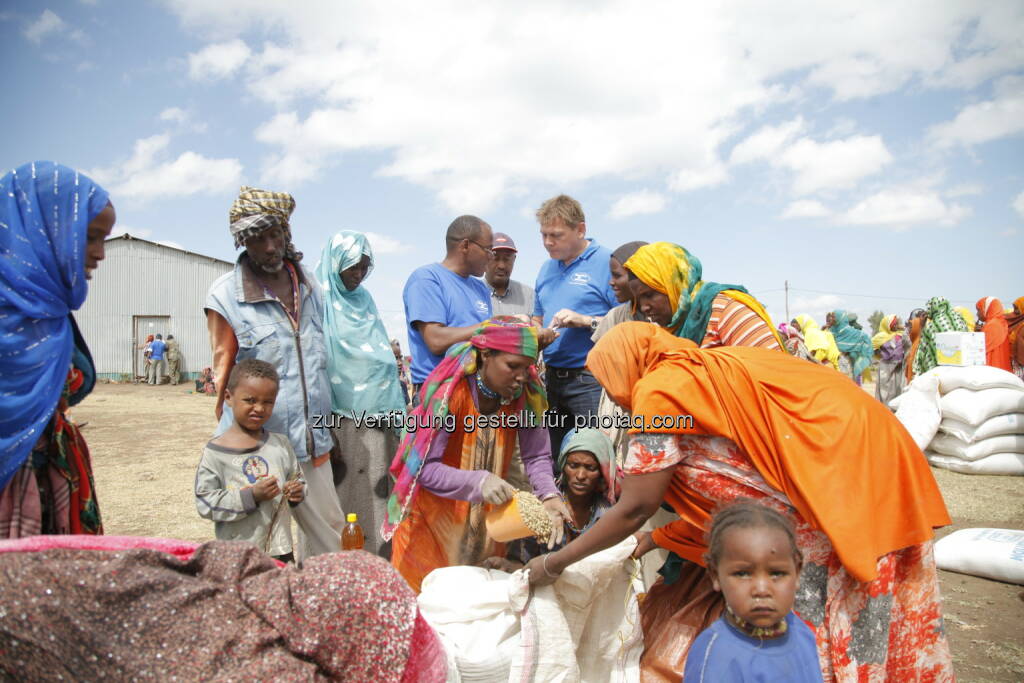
(144, 288)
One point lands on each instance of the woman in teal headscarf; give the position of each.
(364, 383)
(856, 344)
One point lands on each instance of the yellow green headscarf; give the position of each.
(672, 270)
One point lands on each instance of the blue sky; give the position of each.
(869, 153)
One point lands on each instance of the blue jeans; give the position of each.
(571, 393)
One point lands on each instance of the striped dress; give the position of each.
(735, 324)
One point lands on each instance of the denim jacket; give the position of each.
(264, 332)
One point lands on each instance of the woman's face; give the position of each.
(582, 474)
(96, 234)
(505, 372)
(355, 274)
(619, 281)
(830, 319)
(652, 303)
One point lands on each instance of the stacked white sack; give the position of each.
(982, 425)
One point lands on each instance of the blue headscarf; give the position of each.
(852, 341)
(45, 210)
(361, 366)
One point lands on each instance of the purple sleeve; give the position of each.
(535, 446)
(449, 482)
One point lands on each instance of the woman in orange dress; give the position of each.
(1015, 323)
(454, 457)
(797, 437)
(997, 333)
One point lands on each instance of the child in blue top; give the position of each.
(754, 561)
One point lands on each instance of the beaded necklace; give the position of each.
(761, 632)
(488, 392)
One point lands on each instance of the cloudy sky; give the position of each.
(870, 153)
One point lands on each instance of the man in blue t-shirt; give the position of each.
(572, 294)
(444, 302)
(156, 357)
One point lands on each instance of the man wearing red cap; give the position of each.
(508, 296)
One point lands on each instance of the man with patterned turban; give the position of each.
(271, 308)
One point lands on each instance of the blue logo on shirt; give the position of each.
(579, 278)
(255, 467)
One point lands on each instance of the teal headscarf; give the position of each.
(361, 366)
(852, 341)
(593, 441)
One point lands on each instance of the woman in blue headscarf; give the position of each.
(364, 383)
(53, 222)
(854, 344)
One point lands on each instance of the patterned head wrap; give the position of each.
(593, 441)
(941, 318)
(257, 210)
(45, 211)
(502, 333)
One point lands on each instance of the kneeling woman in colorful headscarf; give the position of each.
(796, 437)
(457, 446)
(54, 223)
(891, 344)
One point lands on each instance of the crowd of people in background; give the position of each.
(320, 415)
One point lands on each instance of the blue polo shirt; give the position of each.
(434, 294)
(157, 349)
(583, 286)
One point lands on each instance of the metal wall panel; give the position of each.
(141, 278)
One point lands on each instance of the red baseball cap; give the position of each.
(503, 241)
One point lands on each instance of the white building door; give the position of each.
(143, 326)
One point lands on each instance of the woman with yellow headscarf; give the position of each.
(668, 289)
(819, 342)
(891, 345)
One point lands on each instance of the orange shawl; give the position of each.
(1015, 322)
(997, 333)
(845, 462)
(915, 340)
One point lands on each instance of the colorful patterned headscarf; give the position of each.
(967, 316)
(257, 210)
(360, 361)
(941, 318)
(856, 343)
(45, 211)
(672, 270)
(502, 333)
(593, 441)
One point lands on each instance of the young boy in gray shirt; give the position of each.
(244, 472)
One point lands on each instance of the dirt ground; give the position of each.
(146, 441)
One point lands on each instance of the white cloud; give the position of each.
(992, 119)
(382, 244)
(147, 175)
(219, 60)
(173, 114)
(766, 142)
(903, 207)
(964, 190)
(47, 23)
(638, 203)
(815, 306)
(1009, 232)
(513, 104)
(1018, 204)
(806, 208)
(835, 164)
